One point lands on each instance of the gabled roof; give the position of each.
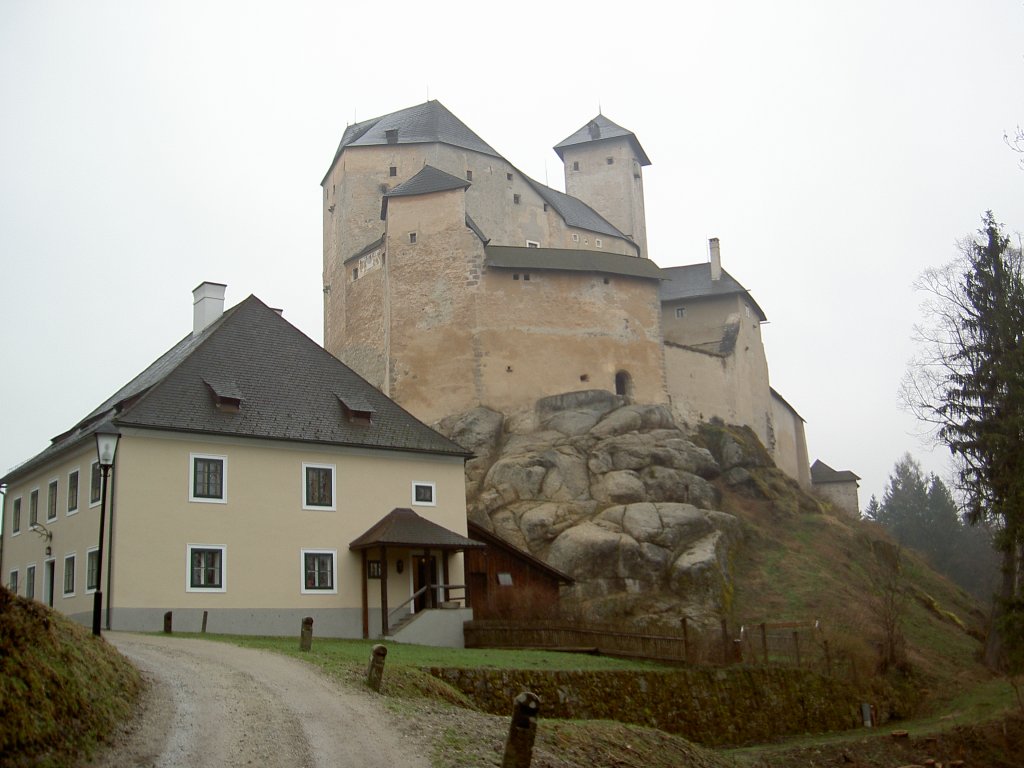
(601, 129)
(288, 386)
(425, 123)
(429, 179)
(822, 473)
(693, 281)
(404, 528)
(570, 260)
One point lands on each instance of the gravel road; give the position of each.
(214, 704)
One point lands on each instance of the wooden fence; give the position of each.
(797, 644)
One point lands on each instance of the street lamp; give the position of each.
(106, 446)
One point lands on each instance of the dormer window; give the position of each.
(227, 397)
(391, 135)
(356, 410)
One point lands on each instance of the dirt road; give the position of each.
(214, 704)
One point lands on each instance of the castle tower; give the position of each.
(604, 168)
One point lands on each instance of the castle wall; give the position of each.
(790, 444)
(727, 374)
(560, 332)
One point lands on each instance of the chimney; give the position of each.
(716, 259)
(207, 305)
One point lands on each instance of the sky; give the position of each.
(837, 151)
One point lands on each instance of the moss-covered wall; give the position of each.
(712, 706)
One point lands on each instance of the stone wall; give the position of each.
(712, 706)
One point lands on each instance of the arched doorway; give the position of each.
(624, 385)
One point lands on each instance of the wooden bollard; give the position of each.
(522, 731)
(306, 636)
(206, 615)
(168, 619)
(375, 669)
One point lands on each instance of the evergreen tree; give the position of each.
(970, 383)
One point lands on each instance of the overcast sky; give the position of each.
(836, 149)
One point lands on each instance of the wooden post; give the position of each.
(796, 646)
(384, 629)
(764, 641)
(168, 621)
(447, 594)
(725, 642)
(686, 638)
(306, 634)
(429, 567)
(206, 615)
(366, 596)
(375, 669)
(522, 731)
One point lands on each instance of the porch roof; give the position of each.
(402, 527)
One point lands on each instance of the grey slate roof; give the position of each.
(290, 389)
(570, 260)
(425, 123)
(822, 473)
(601, 129)
(429, 179)
(402, 527)
(693, 281)
(575, 212)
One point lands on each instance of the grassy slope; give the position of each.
(61, 689)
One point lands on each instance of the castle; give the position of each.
(453, 280)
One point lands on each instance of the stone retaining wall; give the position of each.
(712, 706)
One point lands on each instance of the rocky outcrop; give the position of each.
(614, 494)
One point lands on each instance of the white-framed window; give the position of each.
(532, 244)
(424, 494)
(33, 507)
(575, 237)
(680, 313)
(30, 581)
(72, 491)
(16, 516)
(12, 581)
(206, 568)
(207, 478)
(51, 501)
(94, 483)
(597, 242)
(69, 575)
(318, 486)
(319, 571)
(92, 570)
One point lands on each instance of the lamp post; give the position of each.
(106, 446)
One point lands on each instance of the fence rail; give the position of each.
(798, 644)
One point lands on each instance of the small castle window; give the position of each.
(607, 281)
(526, 276)
(597, 242)
(680, 312)
(584, 377)
(412, 237)
(532, 244)
(469, 175)
(355, 274)
(545, 207)
(575, 237)
(508, 177)
(576, 165)
(516, 199)
(393, 170)
(609, 160)
(515, 275)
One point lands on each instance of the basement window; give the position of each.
(532, 244)
(505, 579)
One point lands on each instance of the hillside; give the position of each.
(61, 689)
(656, 522)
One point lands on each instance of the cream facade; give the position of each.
(246, 510)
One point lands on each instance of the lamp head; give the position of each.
(106, 443)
